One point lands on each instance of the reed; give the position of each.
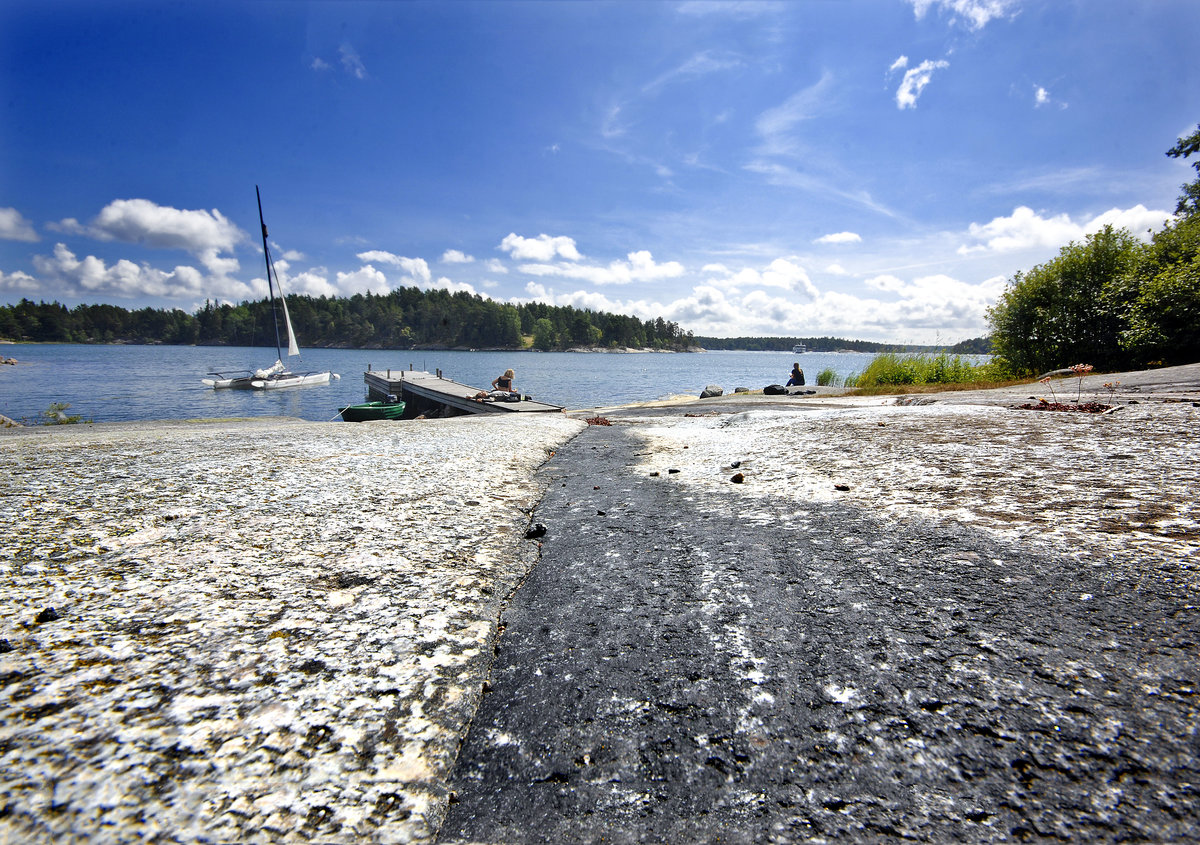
(828, 377)
(892, 370)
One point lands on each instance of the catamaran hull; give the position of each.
(226, 382)
(268, 382)
(289, 380)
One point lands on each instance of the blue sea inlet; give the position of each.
(121, 383)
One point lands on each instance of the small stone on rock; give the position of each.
(535, 531)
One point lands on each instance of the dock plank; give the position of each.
(431, 389)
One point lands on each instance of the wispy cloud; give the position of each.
(701, 64)
(914, 82)
(973, 14)
(778, 174)
(777, 126)
(351, 62)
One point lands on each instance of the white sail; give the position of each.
(293, 349)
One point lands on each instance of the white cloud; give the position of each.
(495, 265)
(1139, 220)
(1026, 229)
(840, 238)
(914, 82)
(899, 64)
(455, 256)
(885, 282)
(144, 222)
(363, 280)
(918, 310)
(319, 64)
(311, 282)
(92, 276)
(706, 305)
(837, 270)
(1042, 99)
(541, 248)
(205, 234)
(639, 267)
(416, 268)
(780, 273)
(19, 281)
(453, 286)
(974, 14)
(14, 227)
(1023, 229)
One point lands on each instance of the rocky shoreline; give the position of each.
(279, 631)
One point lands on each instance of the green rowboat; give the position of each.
(372, 411)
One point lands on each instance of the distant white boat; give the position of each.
(799, 348)
(277, 375)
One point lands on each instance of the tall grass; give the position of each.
(892, 370)
(827, 377)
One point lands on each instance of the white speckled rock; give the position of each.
(1111, 484)
(267, 630)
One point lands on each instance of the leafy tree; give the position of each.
(1164, 293)
(544, 335)
(1189, 201)
(1070, 310)
(1164, 321)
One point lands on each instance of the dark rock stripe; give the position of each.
(689, 667)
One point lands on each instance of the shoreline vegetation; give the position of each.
(408, 318)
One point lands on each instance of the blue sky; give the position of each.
(872, 169)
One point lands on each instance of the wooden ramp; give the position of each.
(431, 393)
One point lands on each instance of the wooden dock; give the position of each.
(434, 395)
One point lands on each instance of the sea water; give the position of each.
(121, 382)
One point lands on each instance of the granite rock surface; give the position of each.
(252, 631)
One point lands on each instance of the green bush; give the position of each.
(827, 377)
(57, 414)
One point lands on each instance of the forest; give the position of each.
(403, 319)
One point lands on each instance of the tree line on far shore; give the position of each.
(1112, 301)
(974, 346)
(402, 319)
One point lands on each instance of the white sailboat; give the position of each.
(277, 375)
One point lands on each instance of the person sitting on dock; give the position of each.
(502, 389)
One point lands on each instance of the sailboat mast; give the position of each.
(270, 285)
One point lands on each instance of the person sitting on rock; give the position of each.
(502, 389)
(797, 378)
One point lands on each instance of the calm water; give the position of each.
(114, 383)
